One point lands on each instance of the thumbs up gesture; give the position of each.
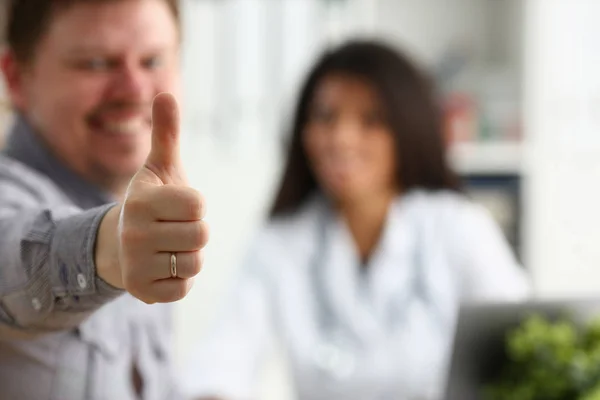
(159, 228)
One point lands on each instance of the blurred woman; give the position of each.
(369, 250)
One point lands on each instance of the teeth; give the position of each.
(128, 127)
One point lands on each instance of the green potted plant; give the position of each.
(549, 360)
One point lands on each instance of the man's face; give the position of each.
(89, 88)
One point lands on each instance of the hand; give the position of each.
(160, 215)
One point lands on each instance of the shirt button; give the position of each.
(35, 303)
(81, 281)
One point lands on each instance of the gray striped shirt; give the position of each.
(64, 332)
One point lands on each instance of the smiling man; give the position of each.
(97, 222)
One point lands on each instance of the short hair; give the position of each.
(26, 21)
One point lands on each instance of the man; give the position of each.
(95, 214)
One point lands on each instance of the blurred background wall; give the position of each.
(522, 93)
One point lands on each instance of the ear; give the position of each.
(12, 72)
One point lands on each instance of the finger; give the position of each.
(164, 203)
(176, 203)
(188, 264)
(164, 158)
(170, 290)
(178, 236)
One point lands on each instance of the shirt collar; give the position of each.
(26, 146)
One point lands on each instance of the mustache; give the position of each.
(143, 108)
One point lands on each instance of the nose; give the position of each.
(345, 132)
(131, 83)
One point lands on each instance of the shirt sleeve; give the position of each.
(48, 278)
(227, 363)
(489, 269)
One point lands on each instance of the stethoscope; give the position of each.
(337, 353)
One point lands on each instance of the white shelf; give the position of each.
(487, 158)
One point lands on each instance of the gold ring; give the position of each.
(173, 265)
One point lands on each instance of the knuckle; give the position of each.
(160, 297)
(206, 233)
(180, 290)
(195, 205)
(197, 261)
(176, 292)
(200, 235)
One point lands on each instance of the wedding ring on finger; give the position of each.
(173, 265)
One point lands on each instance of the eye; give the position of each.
(152, 62)
(94, 64)
(322, 115)
(373, 119)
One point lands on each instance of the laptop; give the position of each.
(478, 348)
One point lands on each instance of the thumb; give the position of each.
(164, 157)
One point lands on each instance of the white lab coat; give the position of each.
(383, 332)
